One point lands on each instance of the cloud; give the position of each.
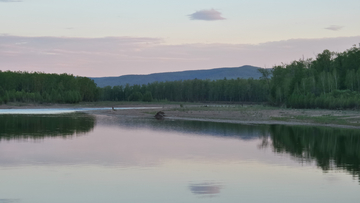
(115, 56)
(208, 15)
(334, 27)
(10, 0)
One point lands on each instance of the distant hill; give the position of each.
(212, 74)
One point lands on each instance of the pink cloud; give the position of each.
(115, 56)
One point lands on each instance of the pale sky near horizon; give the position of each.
(117, 37)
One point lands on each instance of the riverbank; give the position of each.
(250, 114)
(230, 113)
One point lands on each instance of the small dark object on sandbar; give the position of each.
(159, 115)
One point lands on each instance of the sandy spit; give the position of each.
(237, 113)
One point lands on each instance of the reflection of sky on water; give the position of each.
(129, 147)
(220, 130)
(124, 148)
(147, 142)
(9, 200)
(129, 161)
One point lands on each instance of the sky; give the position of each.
(118, 37)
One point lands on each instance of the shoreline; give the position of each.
(225, 113)
(266, 122)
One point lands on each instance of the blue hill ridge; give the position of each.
(212, 74)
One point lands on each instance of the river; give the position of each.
(77, 157)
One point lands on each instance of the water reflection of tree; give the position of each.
(330, 148)
(201, 128)
(41, 126)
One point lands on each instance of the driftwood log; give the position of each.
(160, 115)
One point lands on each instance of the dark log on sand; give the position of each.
(160, 115)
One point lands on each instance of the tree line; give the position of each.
(234, 90)
(331, 80)
(45, 88)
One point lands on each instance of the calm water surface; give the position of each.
(78, 157)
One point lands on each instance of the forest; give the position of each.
(233, 90)
(45, 88)
(330, 81)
